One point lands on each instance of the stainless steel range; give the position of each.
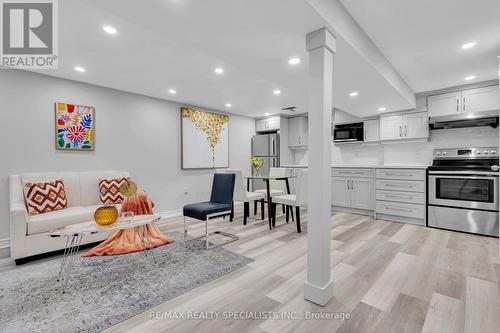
(463, 190)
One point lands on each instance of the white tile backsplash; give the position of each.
(407, 153)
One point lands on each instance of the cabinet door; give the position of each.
(341, 194)
(444, 104)
(260, 125)
(391, 128)
(372, 130)
(362, 193)
(273, 123)
(481, 99)
(416, 125)
(293, 131)
(303, 131)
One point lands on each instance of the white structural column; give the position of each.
(321, 45)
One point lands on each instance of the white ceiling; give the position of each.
(178, 44)
(423, 38)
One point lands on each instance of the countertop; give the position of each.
(364, 166)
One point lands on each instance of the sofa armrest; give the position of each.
(18, 217)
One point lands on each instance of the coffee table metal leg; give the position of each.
(77, 240)
(65, 257)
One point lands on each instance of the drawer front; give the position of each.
(403, 174)
(401, 209)
(360, 173)
(401, 185)
(396, 196)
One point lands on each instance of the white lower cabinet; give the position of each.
(353, 189)
(400, 195)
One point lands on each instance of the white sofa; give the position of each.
(28, 234)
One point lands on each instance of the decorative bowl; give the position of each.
(106, 215)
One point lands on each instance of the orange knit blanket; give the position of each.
(129, 240)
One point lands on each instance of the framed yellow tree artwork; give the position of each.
(204, 139)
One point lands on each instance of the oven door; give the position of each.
(464, 191)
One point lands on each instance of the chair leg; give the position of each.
(246, 208)
(255, 207)
(287, 215)
(283, 208)
(206, 233)
(297, 215)
(274, 214)
(185, 229)
(291, 213)
(231, 216)
(262, 208)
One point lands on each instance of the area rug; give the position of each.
(106, 290)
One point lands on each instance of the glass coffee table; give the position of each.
(74, 234)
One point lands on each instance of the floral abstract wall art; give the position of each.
(205, 142)
(75, 127)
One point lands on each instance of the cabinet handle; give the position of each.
(352, 184)
(399, 209)
(400, 135)
(458, 101)
(366, 134)
(463, 105)
(348, 184)
(396, 174)
(396, 185)
(398, 196)
(406, 130)
(299, 139)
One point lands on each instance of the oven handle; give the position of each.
(464, 177)
(479, 173)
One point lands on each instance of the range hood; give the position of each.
(486, 118)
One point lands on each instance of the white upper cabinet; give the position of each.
(372, 130)
(481, 99)
(472, 100)
(444, 104)
(266, 125)
(416, 125)
(404, 127)
(297, 132)
(391, 128)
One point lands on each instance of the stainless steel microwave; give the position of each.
(348, 132)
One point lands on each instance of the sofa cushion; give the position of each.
(109, 190)
(89, 185)
(45, 196)
(71, 183)
(53, 220)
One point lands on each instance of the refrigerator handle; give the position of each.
(274, 146)
(274, 162)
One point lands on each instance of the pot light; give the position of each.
(172, 91)
(470, 77)
(468, 45)
(228, 105)
(266, 114)
(79, 69)
(219, 70)
(353, 93)
(382, 108)
(109, 29)
(294, 61)
(277, 92)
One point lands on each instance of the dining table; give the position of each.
(266, 180)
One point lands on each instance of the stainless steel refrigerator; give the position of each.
(267, 147)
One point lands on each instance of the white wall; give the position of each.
(133, 132)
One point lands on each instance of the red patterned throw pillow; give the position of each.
(109, 190)
(45, 196)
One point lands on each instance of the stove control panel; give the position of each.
(466, 153)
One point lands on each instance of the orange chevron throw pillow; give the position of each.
(109, 190)
(45, 196)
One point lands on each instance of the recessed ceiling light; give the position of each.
(172, 91)
(470, 77)
(266, 114)
(109, 29)
(79, 69)
(219, 70)
(277, 92)
(228, 105)
(294, 61)
(468, 45)
(353, 93)
(382, 108)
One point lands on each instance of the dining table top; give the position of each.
(271, 177)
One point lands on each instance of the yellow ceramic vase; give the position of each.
(106, 215)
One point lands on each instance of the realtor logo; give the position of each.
(29, 34)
